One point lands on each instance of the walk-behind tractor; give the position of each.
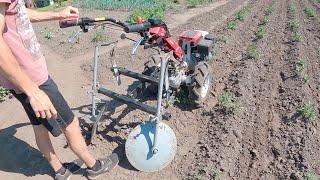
(152, 145)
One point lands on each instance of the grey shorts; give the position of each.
(65, 115)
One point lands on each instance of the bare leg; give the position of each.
(44, 144)
(77, 143)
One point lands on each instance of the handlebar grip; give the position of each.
(137, 27)
(65, 23)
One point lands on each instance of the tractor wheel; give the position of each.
(201, 83)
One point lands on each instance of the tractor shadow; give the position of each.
(19, 157)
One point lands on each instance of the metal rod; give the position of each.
(159, 101)
(94, 85)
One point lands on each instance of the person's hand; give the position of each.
(69, 12)
(41, 105)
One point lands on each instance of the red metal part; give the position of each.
(174, 46)
(158, 31)
(190, 36)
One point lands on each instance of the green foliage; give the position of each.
(241, 15)
(294, 25)
(111, 4)
(3, 93)
(310, 12)
(296, 37)
(49, 35)
(99, 36)
(42, 3)
(229, 102)
(261, 32)
(146, 13)
(301, 70)
(252, 52)
(309, 111)
(311, 175)
(232, 25)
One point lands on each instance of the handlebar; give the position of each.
(84, 22)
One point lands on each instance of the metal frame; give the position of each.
(96, 89)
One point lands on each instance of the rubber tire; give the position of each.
(201, 71)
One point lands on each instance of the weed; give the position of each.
(49, 35)
(229, 102)
(232, 25)
(301, 70)
(99, 36)
(261, 32)
(310, 12)
(252, 53)
(3, 93)
(194, 3)
(311, 175)
(296, 37)
(309, 111)
(294, 25)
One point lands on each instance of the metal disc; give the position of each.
(139, 147)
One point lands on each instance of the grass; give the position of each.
(229, 103)
(252, 53)
(261, 32)
(269, 10)
(265, 20)
(311, 175)
(310, 12)
(111, 4)
(301, 70)
(292, 9)
(153, 12)
(309, 111)
(3, 93)
(194, 3)
(296, 36)
(294, 24)
(232, 25)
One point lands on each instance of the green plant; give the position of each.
(112, 4)
(261, 32)
(296, 36)
(99, 36)
(301, 70)
(229, 102)
(310, 12)
(309, 111)
(194, 3)
(294, 24)
(49, 35)
(146, 13)
(311, 175)
(252, 52)
(241, 15)
(232, 25)
(3, 93)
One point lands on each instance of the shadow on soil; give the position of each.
(19, 157)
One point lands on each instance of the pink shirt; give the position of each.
(20, 37)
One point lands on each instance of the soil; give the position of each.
(267, 139)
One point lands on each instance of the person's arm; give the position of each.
(10, 69)
(36, 16)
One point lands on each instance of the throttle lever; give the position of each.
(136, 44)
